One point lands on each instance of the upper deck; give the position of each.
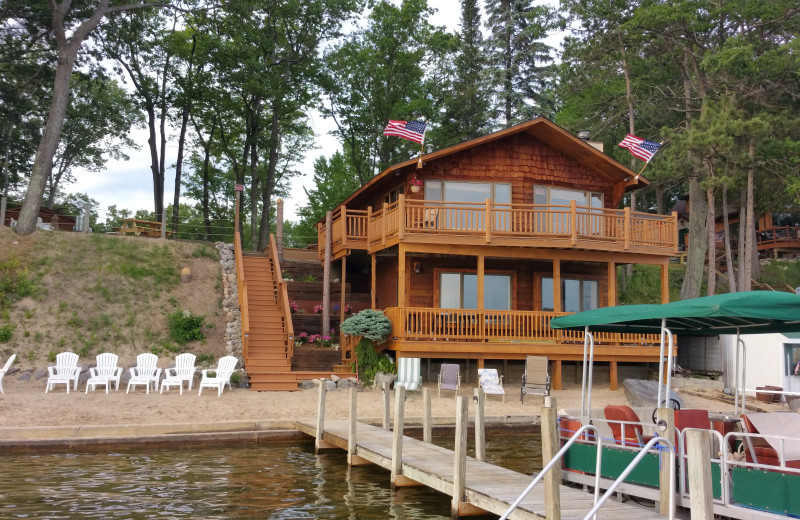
(510, 225)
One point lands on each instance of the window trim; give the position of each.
(437, 272)
(537, 288)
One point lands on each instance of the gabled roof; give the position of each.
(541, 128)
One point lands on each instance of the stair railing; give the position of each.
(241, 285)
(283, 296)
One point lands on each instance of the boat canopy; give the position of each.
(751, 312)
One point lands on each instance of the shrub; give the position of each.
(6, 331)
(184, 327)
(373, 327)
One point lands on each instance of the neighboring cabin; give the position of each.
(504, 233)
(48, 219)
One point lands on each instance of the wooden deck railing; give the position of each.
(241, 285)
(775, 236)
(371, 229)
(430, 324)
(283, 296)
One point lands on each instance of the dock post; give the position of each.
(397, 437)
(668, 432)
(480, 426)
(386, 397)
(427, 419)
(352, 450)
(552, 480)
(460, 451)
(700, 494)
(318, 442)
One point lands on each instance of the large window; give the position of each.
(451, 191)
(576, 294)
(460, 291)
(548, 195)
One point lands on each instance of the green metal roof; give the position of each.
(752, 312)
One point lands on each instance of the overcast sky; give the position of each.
(129, 184)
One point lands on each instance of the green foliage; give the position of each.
(780, 274)
(236, 378)
(185, 327)
(16, 282)
(6, 332)
(51, 357)
(386, 365)
(369, 323)
(75, 321)
(205, 251)
(204, 359)
(367, 361)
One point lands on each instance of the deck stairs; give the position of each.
(267, 360)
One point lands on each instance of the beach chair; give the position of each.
(618, 417)
(105, 372)
(5, 369)
(65, 371)
(182, 371)
(490, 382)
(449, 378)
(408, 374)
(222, 375)
(535, 379)
(690, 418)
(146, 372)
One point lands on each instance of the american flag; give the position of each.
(641, 148)
(411, 130)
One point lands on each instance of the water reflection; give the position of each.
(276, 481)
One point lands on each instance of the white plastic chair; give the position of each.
(65, 371)
(491, 382)
(182, 371)
(106, 372)
(222, 375)
(408, 374)
(5, 369)
(145, 372)
(449, 378)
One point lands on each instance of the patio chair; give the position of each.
(408, 374)
(222, 375)
(5, 369)
(690, 418)
(535, 379)
(491, 382)
(146, 372)
(182, 371)
(616, 415)
(65, 371)
(449, 378)
(105, 372)
(758, 450)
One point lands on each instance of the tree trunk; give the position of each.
(727, 236)
(696, 254)
(712, 244)
(659, 191)
(741, 258)
(179, 166)
(751, 249)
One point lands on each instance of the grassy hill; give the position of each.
(92, 293)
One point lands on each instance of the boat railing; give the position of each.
(748, 445)
(683, 463)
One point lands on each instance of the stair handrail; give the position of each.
(283, 296)
(241, 285)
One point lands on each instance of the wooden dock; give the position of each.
(487, 487)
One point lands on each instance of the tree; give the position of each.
(81, 21)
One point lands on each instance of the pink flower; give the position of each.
(318, 309)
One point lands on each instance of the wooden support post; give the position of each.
(343, 222)
(326, 278)
(557, 375)
(573, 222)
(701, 496)
(279, 229)
(386, 396)
(612, 284)
(612, 371)
(397, 434)
(352, 450)
(319, 443)
(342, 302)
(401, 276)
(550, 446)
(675, 233)
(668, 416)
(401, 221)
(480, 275)
(460, 462)
(665, 283)
(427, 417)
(626, 228)
(383, 223)
(372, 291)
(488, 221)
(557, 285)
(480, 426)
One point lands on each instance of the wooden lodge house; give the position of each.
(472, 254)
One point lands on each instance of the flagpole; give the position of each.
(648, 161)
(422, 145)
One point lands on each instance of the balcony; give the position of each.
(510, 225)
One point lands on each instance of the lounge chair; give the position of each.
(65, 371)
(449, 378)
(105, 372)
(146, 372)
(222, 375)
(5, 369)
(618, 417)
(690, 418)
(535, 379)
(758, 450)
(491, 382)
(408, 374)
(182, 371)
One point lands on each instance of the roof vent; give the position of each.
(584, 135)
(430, 148)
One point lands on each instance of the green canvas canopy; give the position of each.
(753, 312)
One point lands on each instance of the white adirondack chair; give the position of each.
(65, 371)
(408, 374)
(5, 369)
(182, 371)
(146, 372)
(105, 372)
(490, 382)
(222, 375)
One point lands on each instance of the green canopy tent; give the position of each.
(753, 312)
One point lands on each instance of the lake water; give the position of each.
(276, 481)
